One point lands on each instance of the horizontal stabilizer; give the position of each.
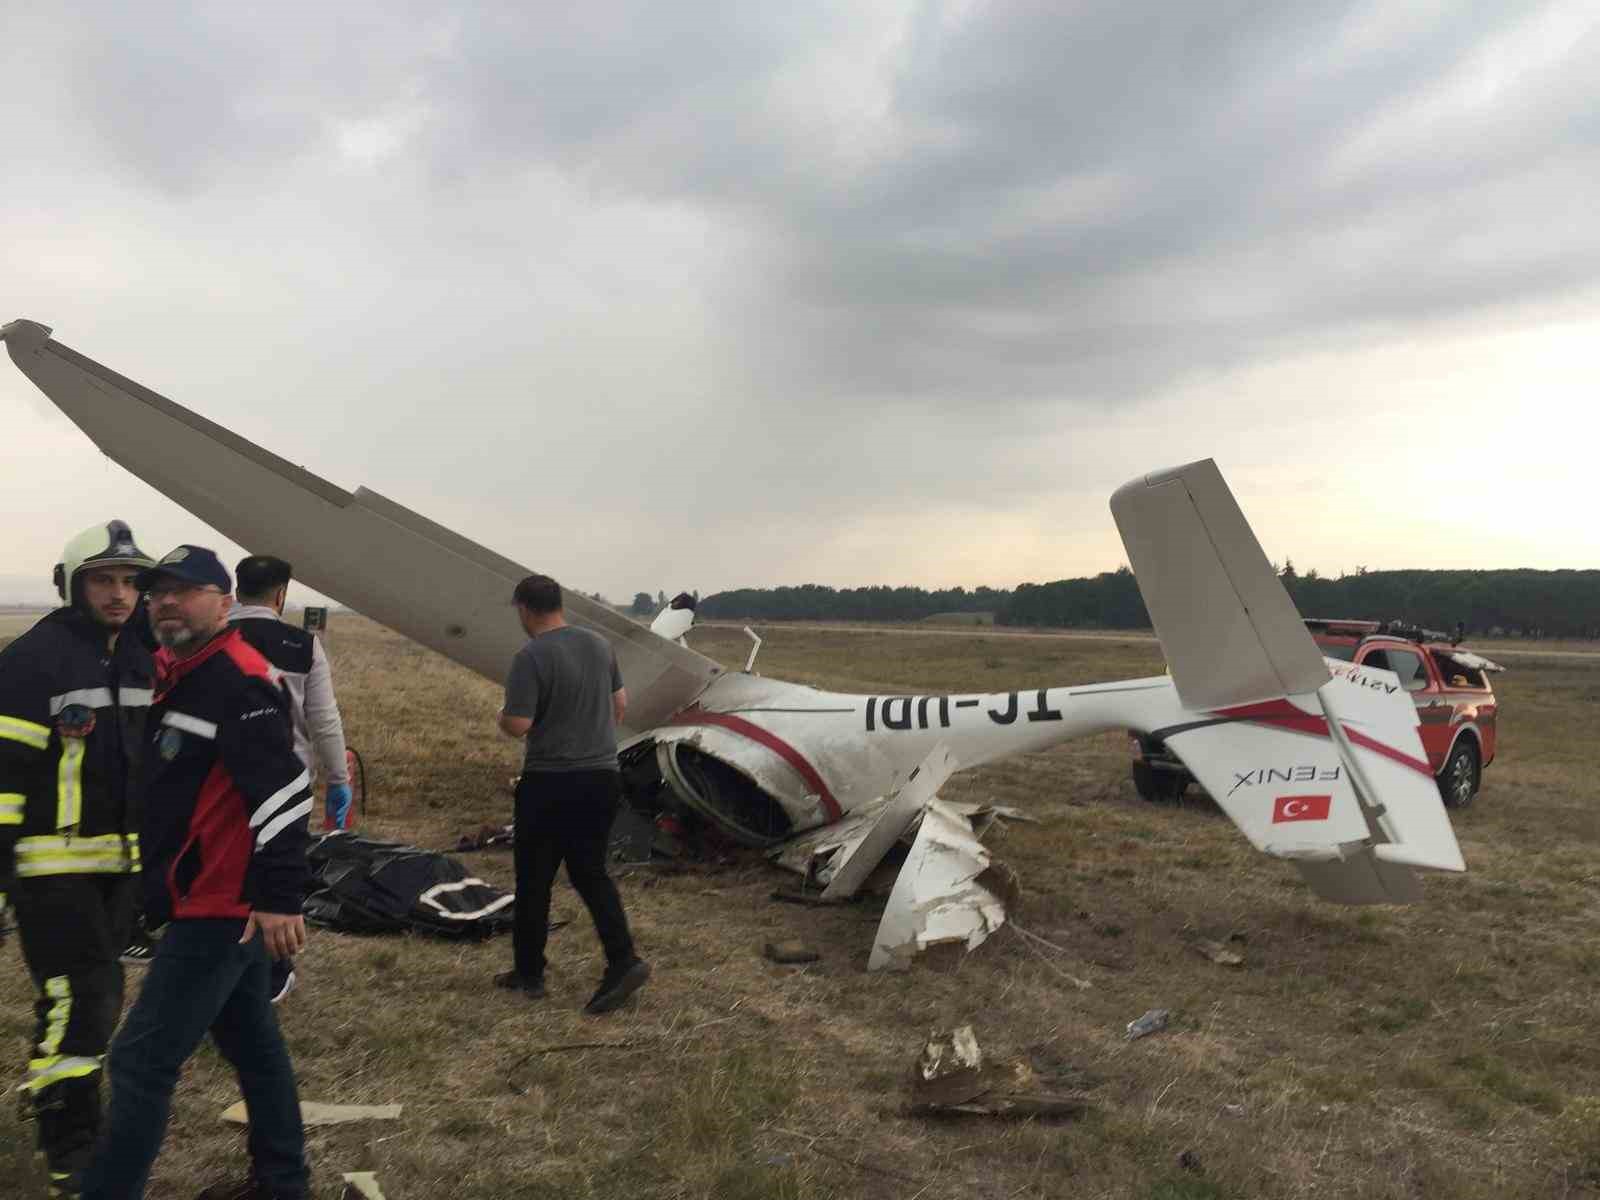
(1336, 782)
(378, 557)
(1229, 631)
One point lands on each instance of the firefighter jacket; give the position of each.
(68, 804)
(225, 798)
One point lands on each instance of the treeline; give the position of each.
(1520, 603)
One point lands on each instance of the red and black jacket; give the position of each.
(225, 797)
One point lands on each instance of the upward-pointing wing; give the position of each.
(433, 585)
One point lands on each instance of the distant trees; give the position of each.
(1516, 602)
(643, 606)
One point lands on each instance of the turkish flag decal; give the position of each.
(1301, 808)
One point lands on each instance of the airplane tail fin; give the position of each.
(1230, 633)
(1325, 769)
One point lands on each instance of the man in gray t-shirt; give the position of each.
(564, 696)
(565, 681)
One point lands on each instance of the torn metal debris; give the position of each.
(360, 1185)
(952, 1078)
(1153, 1021)
(949, 892)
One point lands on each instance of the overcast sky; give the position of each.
(700, 295)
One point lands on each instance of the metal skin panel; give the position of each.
(381, 559)
(1230, 632)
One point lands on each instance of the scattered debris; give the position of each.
(1153, 1021)
(950, 892)
(791, 951)
(360, 1185)
(1218, 953)
(313, 1114)
(1233, 1110)
(950, 1070)
(951, 1078)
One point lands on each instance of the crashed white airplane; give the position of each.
(829, 782)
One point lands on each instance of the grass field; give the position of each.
(1445, 1050)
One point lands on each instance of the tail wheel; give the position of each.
(1458, 782)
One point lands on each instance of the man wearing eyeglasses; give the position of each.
(226, 803)
(74, 694)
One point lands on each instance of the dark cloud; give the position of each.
(839, 259)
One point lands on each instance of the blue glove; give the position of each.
(338, 804)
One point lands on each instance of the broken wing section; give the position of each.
(950, 892)
(383, 560)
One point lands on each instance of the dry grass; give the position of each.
(1443, 1050)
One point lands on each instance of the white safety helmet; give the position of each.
(98, 546)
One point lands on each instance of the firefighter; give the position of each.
(74, 694)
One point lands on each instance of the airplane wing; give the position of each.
(379, 558)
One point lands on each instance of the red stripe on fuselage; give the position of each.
(772, 742)
(1284, 715)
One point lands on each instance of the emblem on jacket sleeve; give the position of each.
(169, 742)
(75, 721)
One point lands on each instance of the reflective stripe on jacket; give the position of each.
(226, 799)
(67, 798)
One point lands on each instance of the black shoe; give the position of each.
(139, 952)
(617, 985)
(531, 986)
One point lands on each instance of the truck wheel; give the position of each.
(1458, 782)
(1158, 787)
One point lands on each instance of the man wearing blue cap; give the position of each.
(224, 840)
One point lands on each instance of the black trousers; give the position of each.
(566, 816)
(73, 928)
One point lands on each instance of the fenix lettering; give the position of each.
(933, 712)
(1367, 681)
(1294, 774)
